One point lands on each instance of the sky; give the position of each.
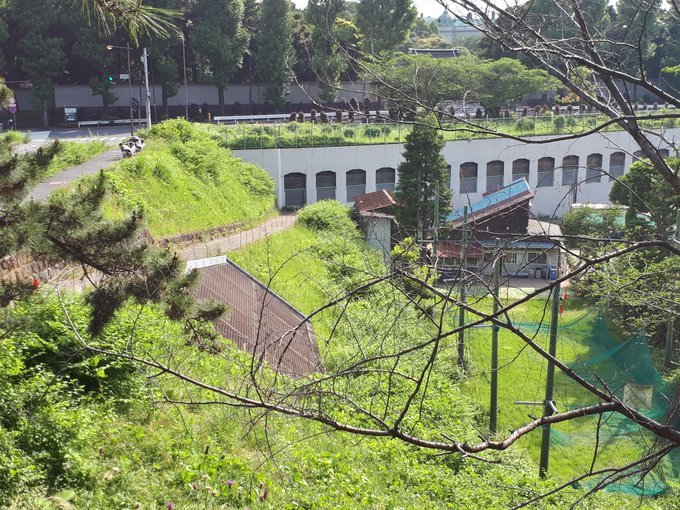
(425, 7)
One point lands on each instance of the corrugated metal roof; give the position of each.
(505, 198)
(374, 200)
(259, 321)
(543, 229)
(453, 249)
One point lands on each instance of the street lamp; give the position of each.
(184, 67)
(127, 47)
(464, 98)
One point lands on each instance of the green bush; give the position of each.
(524, 124)
(175, 130)
(372, 132)
(327, 215)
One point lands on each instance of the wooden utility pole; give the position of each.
(493, 407)
(461, 310)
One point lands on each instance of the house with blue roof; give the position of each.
(530, 247)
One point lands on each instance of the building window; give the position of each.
(356, 183)
(617, 163)
(538, 258)
(325, 186)
(448, 176)
(385, 179)
(569, 170)
(593, 168)
(520, 169)
(295, 189)
(468, 178)
(546, 172)
(510, 257)
(494, 175)
(664, 153)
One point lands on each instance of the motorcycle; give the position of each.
(128, 149)
(138, 142)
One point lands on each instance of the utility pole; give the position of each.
(461, 310)
(435, 226)
(493, 405)
(419, 219)
(548, 404)
(668, 355)
(145, 59)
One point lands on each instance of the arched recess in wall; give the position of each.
(295, 189)
(546, 172)
(385, 178)
(356, 183)
(594, 167)
(468, 178)
(617, 165)
(570, 170)
(495, 170)
(325, 185)
(520, 169)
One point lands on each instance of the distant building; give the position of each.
(452, 29)
(530, 247)
(436, 52)
(375, 221)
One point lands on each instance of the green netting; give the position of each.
(627, 370)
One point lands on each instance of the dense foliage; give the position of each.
(184, 181)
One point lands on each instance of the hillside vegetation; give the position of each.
(184, 181)
(81, 430)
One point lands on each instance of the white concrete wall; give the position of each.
(548, 201)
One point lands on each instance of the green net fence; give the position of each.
(627, 370)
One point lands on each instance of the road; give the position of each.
(109, 135)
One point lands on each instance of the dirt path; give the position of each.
(235, 241)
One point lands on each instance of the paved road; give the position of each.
(63, 179)
(235, 241)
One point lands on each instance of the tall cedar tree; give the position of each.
(385, 24)
(275, 55)
(423, 165)
(220, 37)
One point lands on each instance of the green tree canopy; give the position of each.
(220, 37)
(384, 24)
(423, 166)
(275, 54)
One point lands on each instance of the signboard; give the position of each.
(124, 76)
(70, 115)
(25, 85)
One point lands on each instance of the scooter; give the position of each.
(128, 149)
(138, 142)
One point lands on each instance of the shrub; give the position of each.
(372, 132)
(327, 215)
(524, 124)
(349, 133)
(175, 130)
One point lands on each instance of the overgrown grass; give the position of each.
(133, 449)
(15, 137)
(184, 182)
(307, 134)
(72, 154)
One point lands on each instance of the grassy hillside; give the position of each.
(79, 430)
(184, 181)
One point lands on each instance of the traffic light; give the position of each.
(110, 77)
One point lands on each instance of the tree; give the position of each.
(423, 167)
(136, 18)
(275, 55)
(220, 37)
(102, 86)
(384, 24)
(334, 40)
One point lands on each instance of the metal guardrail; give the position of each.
(98, 123)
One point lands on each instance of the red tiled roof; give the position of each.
(374, 200)
(257, 320)
(453, 249)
